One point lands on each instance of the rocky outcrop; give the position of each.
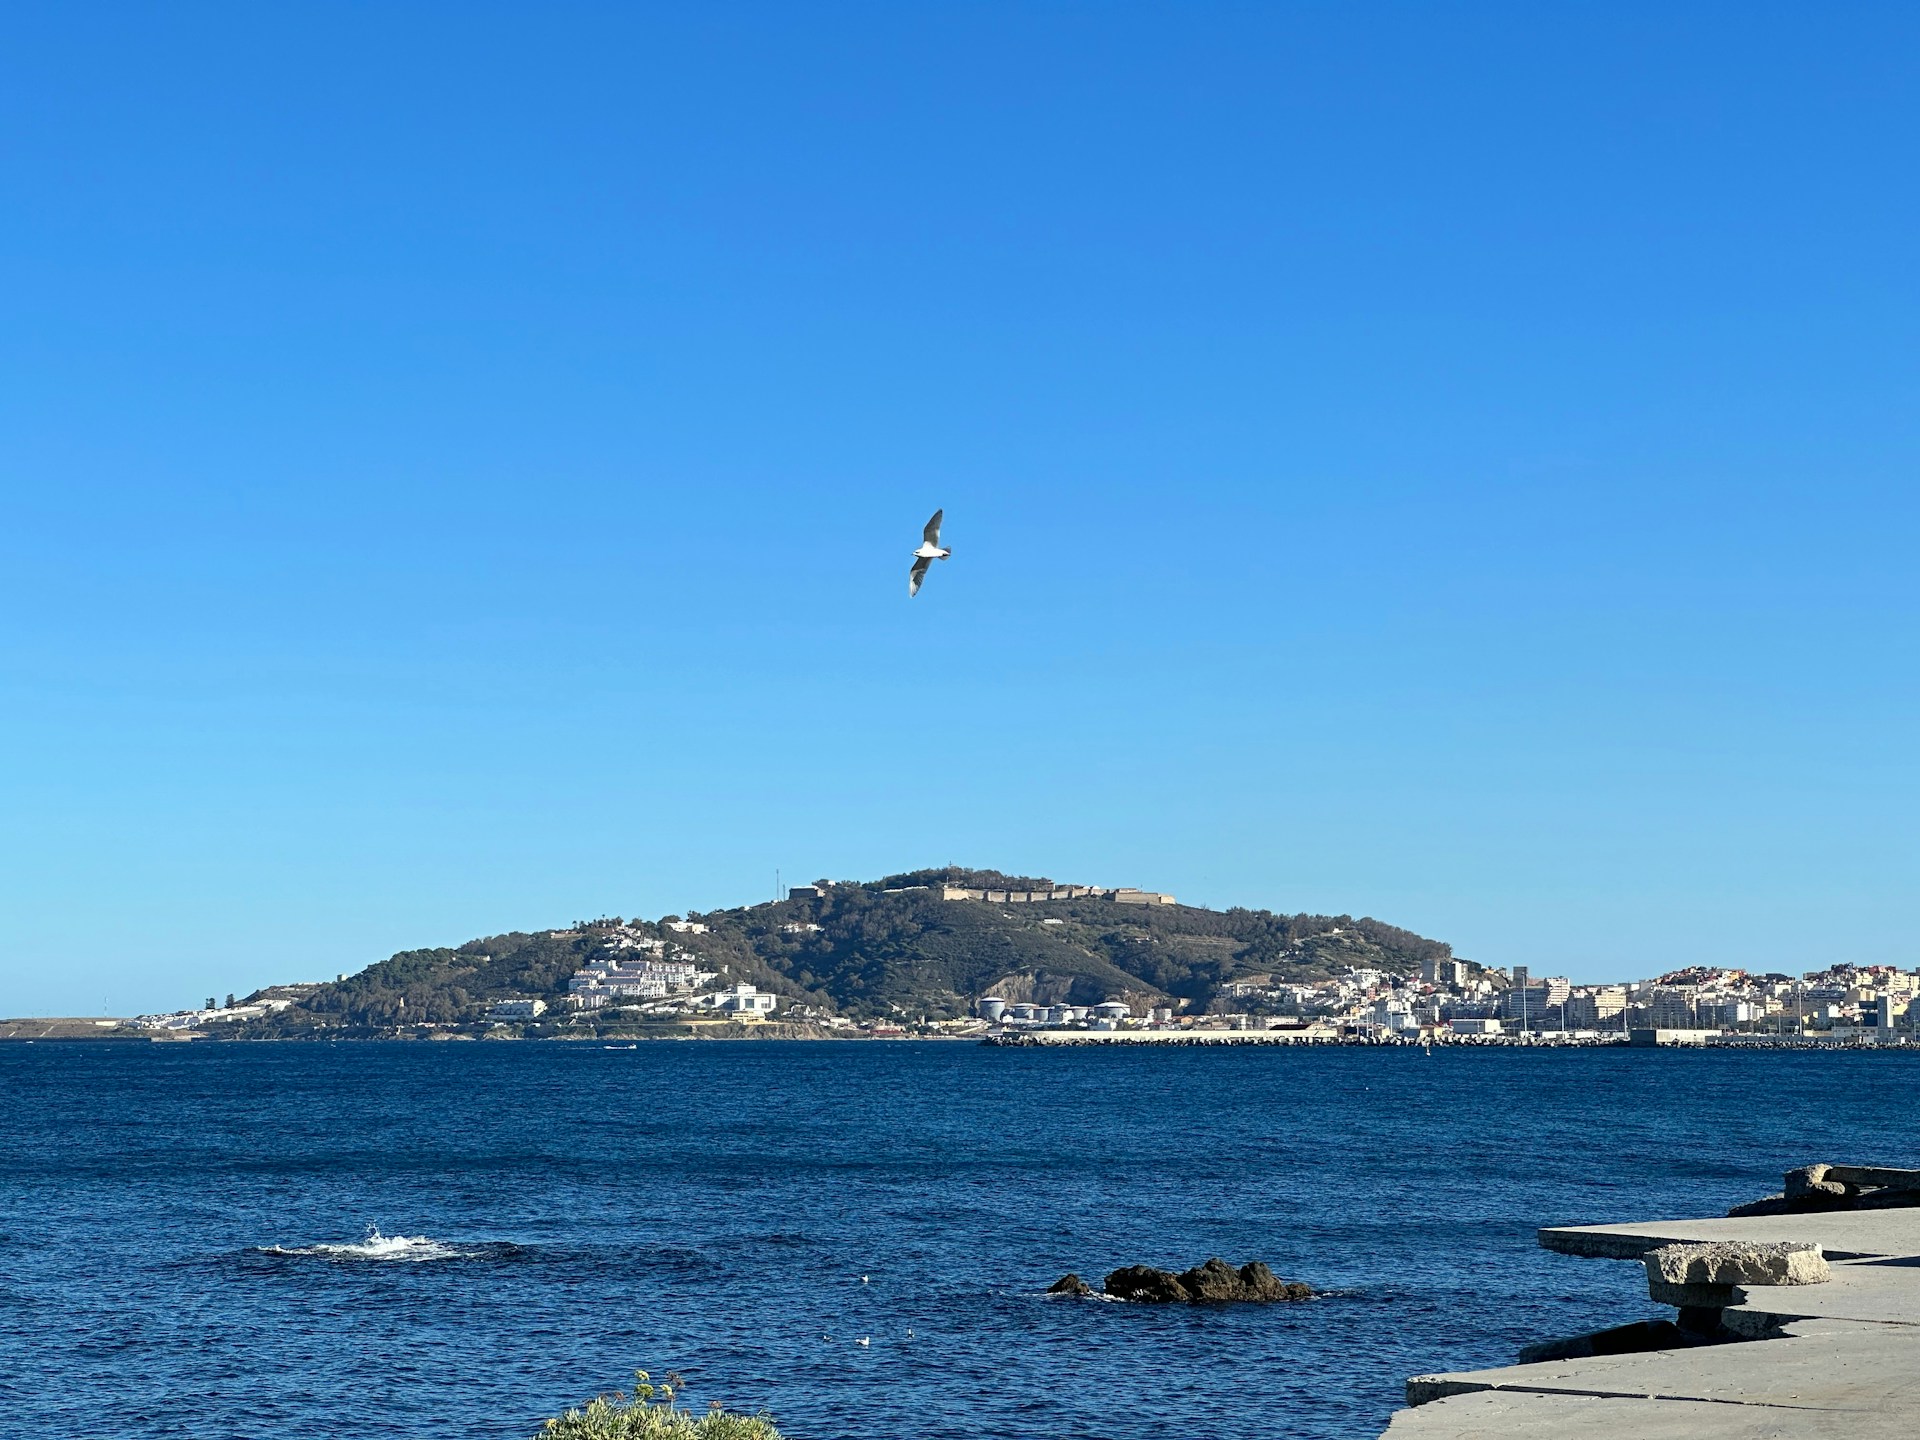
(1814, 1188)
(1218, 1282)
(1212, 1283)
(1046, 987)
(1069, 1284)
(1144, 1282)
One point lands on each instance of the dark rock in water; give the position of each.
(1143, 1282)
(1260, 1283)
(1213, 1283)
(1257, 1282)
(1069, 1285)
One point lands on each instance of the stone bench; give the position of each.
(1702, 1277)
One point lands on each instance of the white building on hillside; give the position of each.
(612, 979)
(517, 1010)
(740, 1000)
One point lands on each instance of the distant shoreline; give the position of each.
(75, 1030)
(35, 1029)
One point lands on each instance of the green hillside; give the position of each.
(890, 948)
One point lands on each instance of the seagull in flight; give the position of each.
(928, 552)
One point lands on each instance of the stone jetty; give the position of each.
(1797, 1321)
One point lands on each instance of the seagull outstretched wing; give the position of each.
(920, 568)
(932, 532)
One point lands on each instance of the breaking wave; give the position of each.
(412, 1249)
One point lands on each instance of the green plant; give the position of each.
(650, 1414)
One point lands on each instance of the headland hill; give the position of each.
(911, 954)
(960, 953)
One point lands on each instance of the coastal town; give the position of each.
(684, 976)
(635, 978)
(1457, 1002)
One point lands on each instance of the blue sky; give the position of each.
(1448, 463)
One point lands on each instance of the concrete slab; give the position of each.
(1831, 1368)
(1844, 1360)
(1511, 1415)
(1879, 1291)
(1843, 1234)
(1875, 1175)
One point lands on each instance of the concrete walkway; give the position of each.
(1844, 1358)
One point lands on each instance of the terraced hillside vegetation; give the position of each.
(889, 948)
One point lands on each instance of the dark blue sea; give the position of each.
(457, 1240)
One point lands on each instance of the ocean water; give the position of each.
(416, 1240)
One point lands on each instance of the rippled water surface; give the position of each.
(456, 1240)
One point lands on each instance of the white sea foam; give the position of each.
(412, 1248)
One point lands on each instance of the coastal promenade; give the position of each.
(1798, 1360)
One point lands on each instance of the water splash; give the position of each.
(411, 1249)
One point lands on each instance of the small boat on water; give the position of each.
(634, 1046)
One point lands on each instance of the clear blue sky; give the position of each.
(1450, 463)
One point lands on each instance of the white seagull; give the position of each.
(928, 552)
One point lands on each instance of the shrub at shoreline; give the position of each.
(651, 1415)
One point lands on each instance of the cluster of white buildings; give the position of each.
(266, 1002)
(1360, 998)
(660, 980)
(194, 1019)
(614, 979)
(1844, 1001)
(1469, 1001)
(633, 970)
(1453, 997)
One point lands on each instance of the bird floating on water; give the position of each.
(864, 1340)
(928, 552)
